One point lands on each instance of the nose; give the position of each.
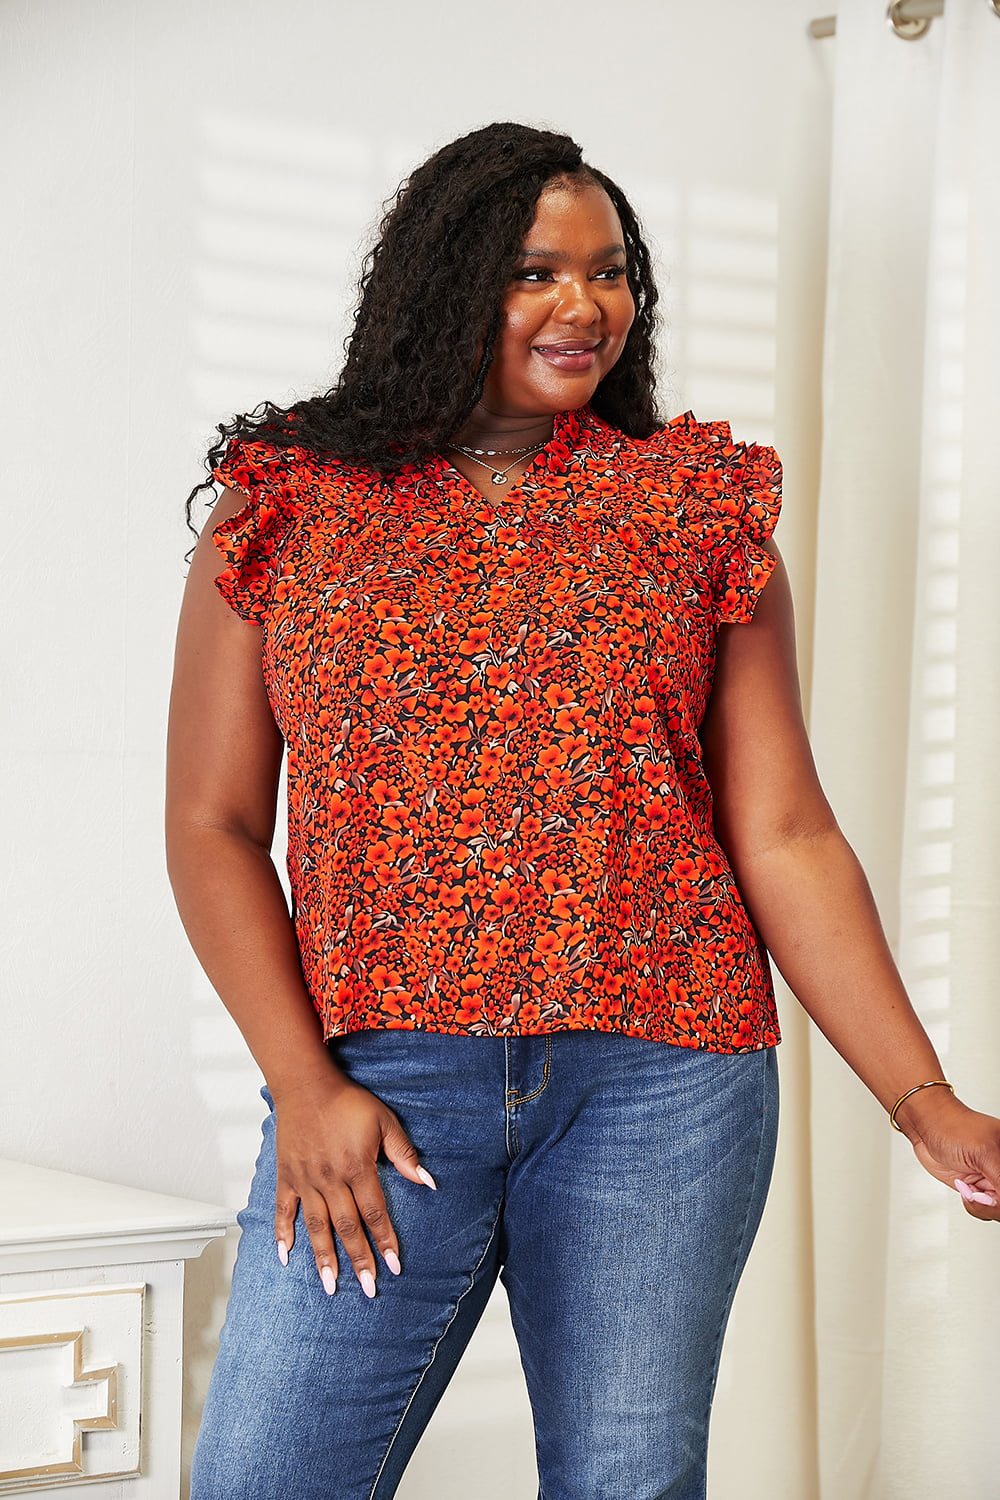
(577, 303)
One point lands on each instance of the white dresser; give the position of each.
(91, 1295)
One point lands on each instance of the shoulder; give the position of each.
(283, 473)
(727, 484)
(719, 483)
(684, 442)
(696, 447)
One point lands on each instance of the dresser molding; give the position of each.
(91, 1303)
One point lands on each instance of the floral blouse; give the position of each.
(498, 819)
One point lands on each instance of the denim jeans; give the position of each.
(615, 1186)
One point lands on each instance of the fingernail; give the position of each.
(367, 1283)
(392, 1261)
(329, 1280)
(971, 1196)
(426, 1178)
(283, 1252)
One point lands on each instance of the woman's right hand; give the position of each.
(330, 1131)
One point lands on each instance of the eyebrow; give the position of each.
(604, 254)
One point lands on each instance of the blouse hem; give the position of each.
(390, 1023)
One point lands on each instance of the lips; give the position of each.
(569, 354)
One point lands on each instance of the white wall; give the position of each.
(186, 187)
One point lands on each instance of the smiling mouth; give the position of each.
(569, 354)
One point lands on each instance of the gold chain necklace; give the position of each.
(498, 476)
(494, 452)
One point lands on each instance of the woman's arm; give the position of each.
(809, 898)
(223, 762)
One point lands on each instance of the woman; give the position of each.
(530, 654)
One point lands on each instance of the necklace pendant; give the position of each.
(498, 478)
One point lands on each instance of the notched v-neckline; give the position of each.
(453, 471)
(565, 428)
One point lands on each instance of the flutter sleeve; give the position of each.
(250, 542)
(732, 502)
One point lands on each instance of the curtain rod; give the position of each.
(908, 18)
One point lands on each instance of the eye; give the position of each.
(538, 274)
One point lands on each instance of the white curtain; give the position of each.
(906, 725)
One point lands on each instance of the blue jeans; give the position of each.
(615, 1186)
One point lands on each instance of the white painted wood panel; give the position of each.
(91, 1308)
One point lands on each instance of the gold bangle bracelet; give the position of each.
(931, 1083)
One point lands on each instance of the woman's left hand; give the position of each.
(961, 1148)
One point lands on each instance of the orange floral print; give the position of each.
(498, 818)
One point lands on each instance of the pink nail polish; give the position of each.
(426, 1178)
(329, 1280)
(392, 1261)
(367, 1283)
(964, 1188)
(283, 1252)
(986, 1198)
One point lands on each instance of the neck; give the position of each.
(492, 429)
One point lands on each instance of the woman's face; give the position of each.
(568, 309)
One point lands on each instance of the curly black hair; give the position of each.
(430, 308)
